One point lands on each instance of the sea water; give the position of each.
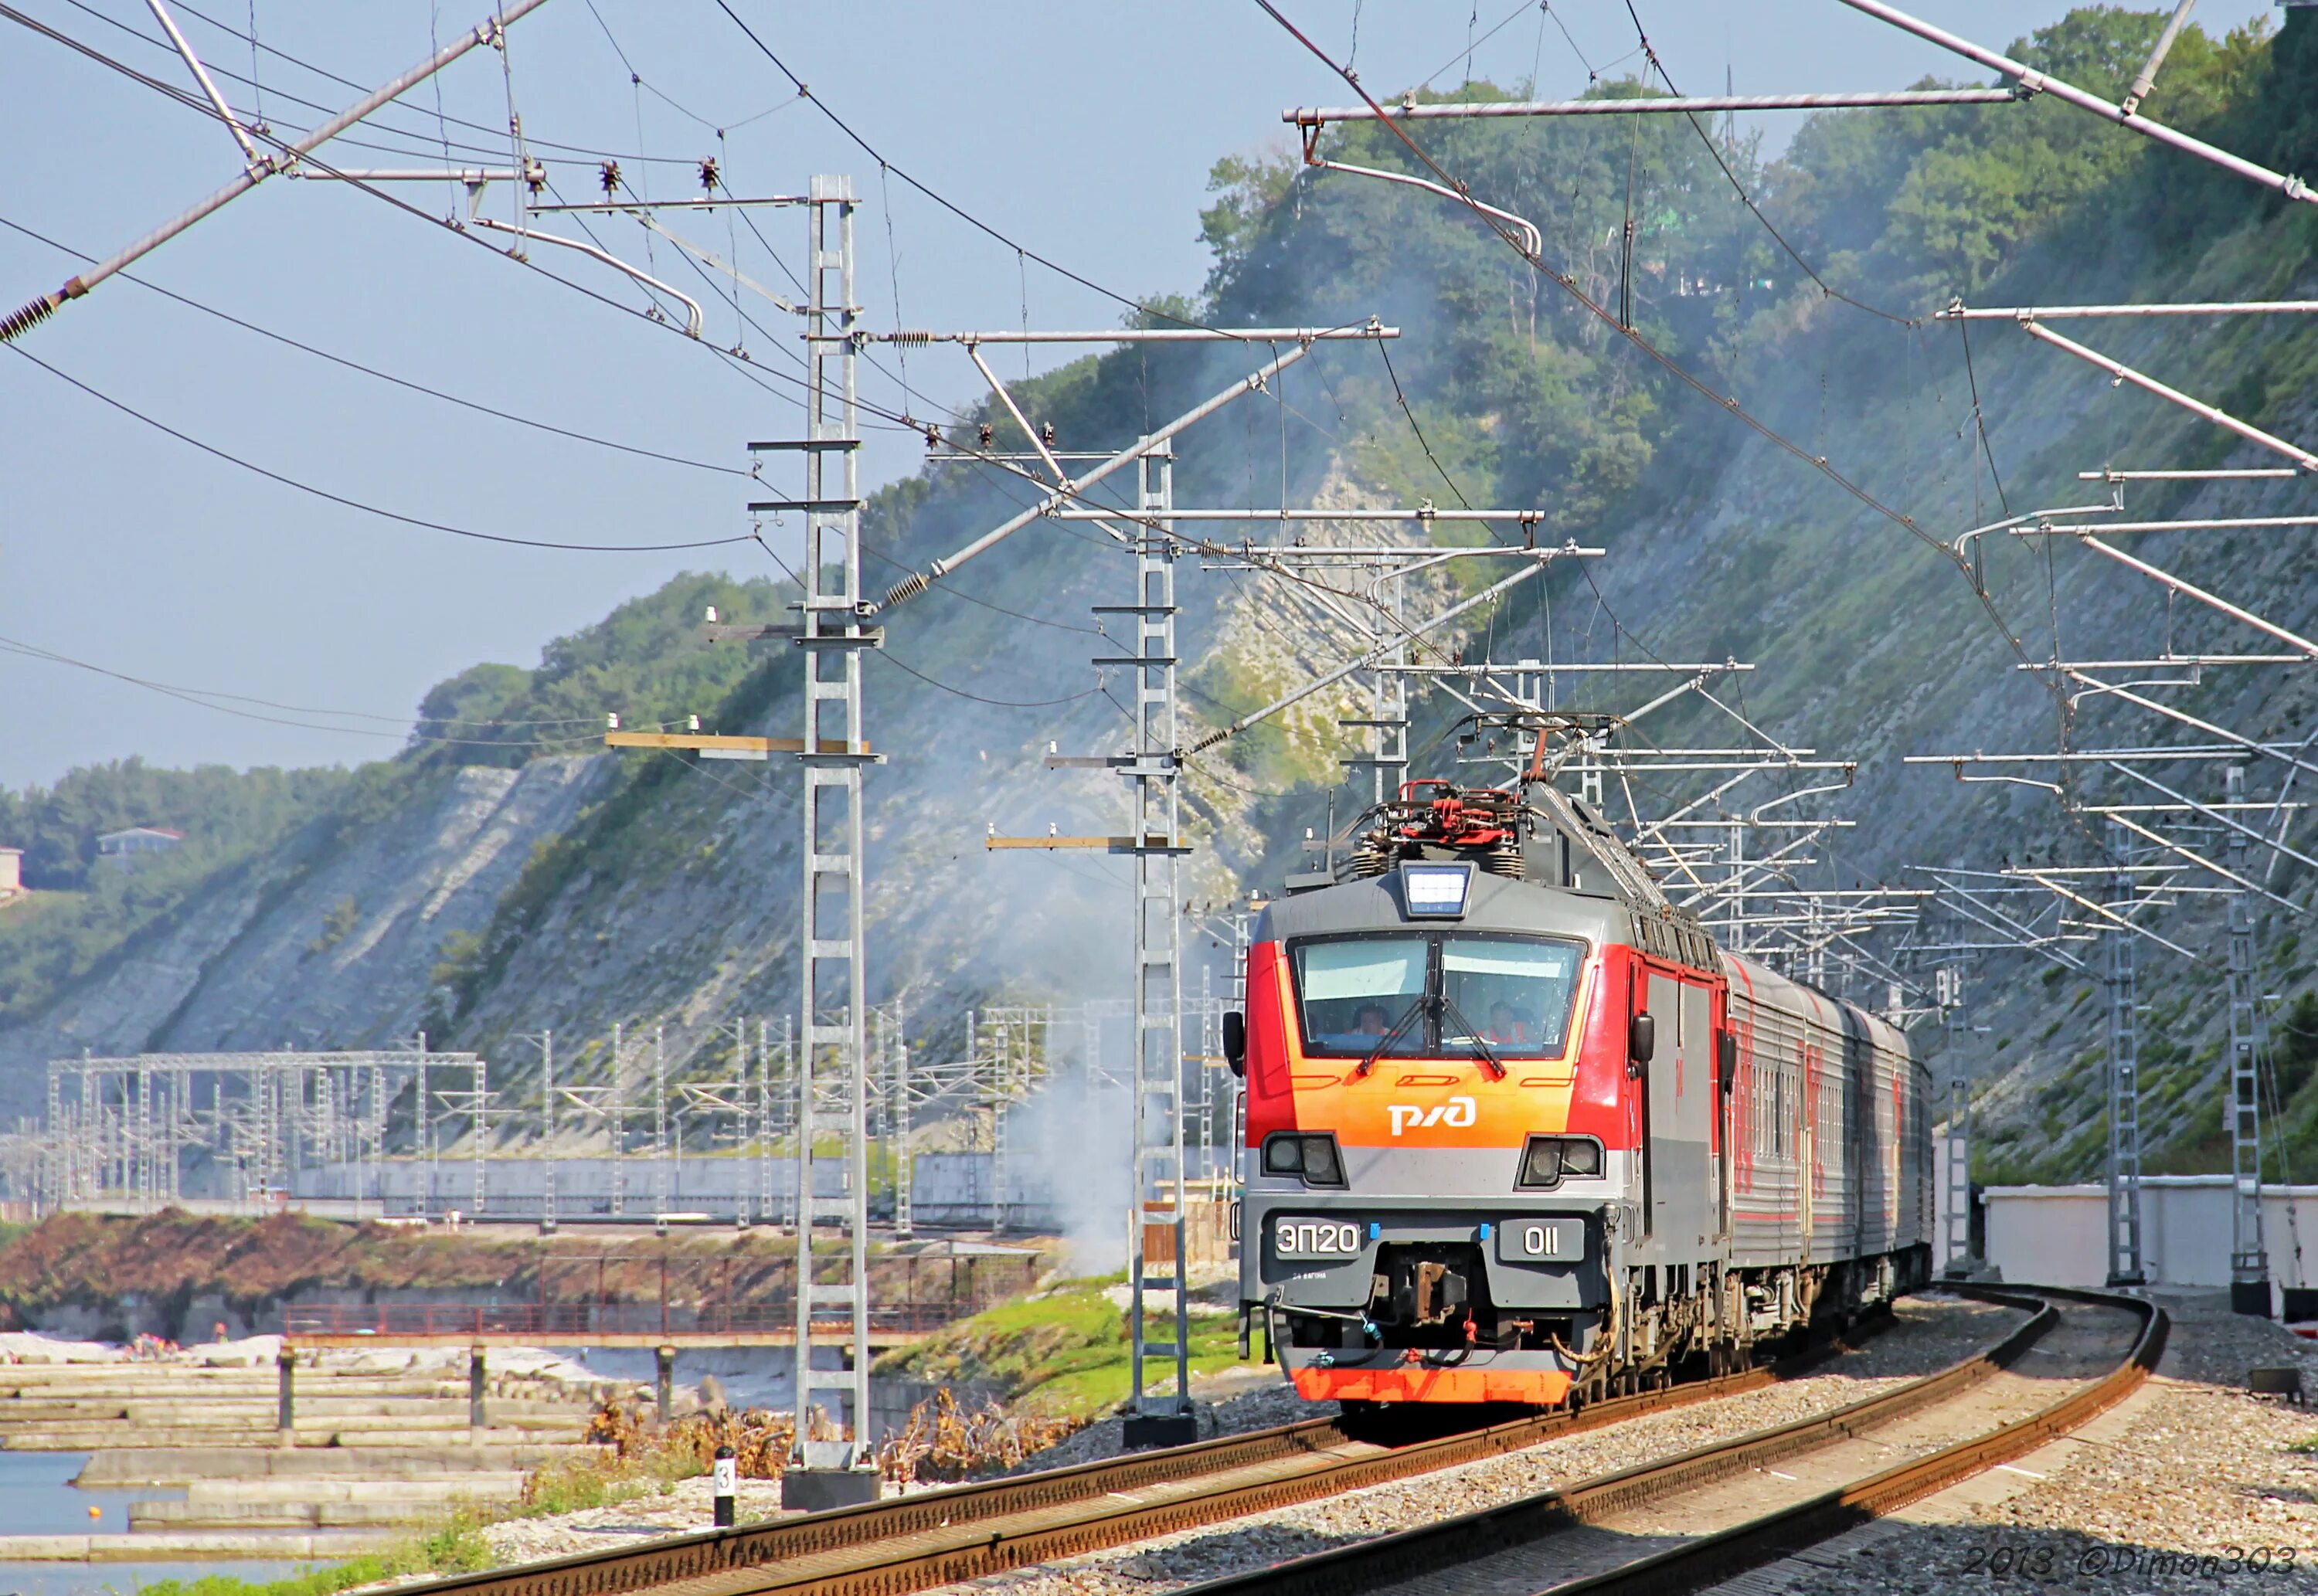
(124, 1579)
(38, 1497)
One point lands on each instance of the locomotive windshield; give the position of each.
(1356, 992)
(1439, 995)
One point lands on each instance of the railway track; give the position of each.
(965, 1532)
(1683, 1523)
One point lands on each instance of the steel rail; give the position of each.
(1434, 1551)
(965, 1532)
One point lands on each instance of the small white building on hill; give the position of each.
(128, 845)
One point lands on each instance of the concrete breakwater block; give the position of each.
(186, 1465)
(145, 1516)
(471, 1485)
(170, 1546)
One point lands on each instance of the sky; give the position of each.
(1084, 134)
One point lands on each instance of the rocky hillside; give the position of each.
(495, 879)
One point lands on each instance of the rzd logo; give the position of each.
(1456, 1111)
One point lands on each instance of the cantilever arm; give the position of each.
(691, 305)
(2043, 83)
(916, 582)
(16, 323)
(2121, 373)
(1533, 239)
(202, 76)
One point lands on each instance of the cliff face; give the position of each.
(320, 945)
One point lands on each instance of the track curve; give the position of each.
(970, 1531)
(1680, 1524)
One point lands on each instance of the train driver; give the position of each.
(1506, 1029)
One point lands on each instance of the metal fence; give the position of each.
(579, 1297)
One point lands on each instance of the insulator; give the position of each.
(708, 173)
(29, 317)
(988, 433)
(610, 173)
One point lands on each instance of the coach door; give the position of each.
(1681, 1180)
(1696, 1103)
(1720, 1108)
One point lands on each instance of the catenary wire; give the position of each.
(1980, 418)
(426, 144)
(740, 363)
(184, 98)
(355, 365)
(1471, 45)
(482, 127)
(977, 697)
(1402, 399)
(356, 504)
(1569, 285)
(842, 126)
(205, 699)
(1650, 54)
(202, 107)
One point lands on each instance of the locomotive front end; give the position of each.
(1439, 1153)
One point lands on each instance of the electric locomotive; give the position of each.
(1518, 1131)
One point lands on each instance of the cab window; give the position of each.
(1516, 996)
(1352, 993)
(1435, 995)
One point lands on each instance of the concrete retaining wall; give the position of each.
(2057, 1235)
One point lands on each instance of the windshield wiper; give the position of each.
(1449, 1005)
(1385, 1042)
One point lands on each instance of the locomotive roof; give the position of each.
(1496, 903)
(1577, 878)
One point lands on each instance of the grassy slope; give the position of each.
(1061, 1353)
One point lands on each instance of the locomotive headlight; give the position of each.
(1435, 891)
(1313, 1157)
(1547, 1159)
(1321, 1166)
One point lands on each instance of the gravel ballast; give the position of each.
(1933, 1332)
(2193, 1485)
